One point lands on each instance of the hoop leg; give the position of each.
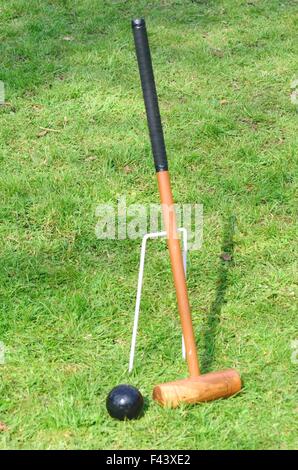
(184, 255)
(138, 302)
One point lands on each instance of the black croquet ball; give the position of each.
(125, 402)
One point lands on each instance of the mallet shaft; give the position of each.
(161, 166)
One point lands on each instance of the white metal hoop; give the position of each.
(140, 285)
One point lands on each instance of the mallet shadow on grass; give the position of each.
(213, 320)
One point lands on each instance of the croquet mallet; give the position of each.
(197, 388)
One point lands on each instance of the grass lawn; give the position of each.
(224, 71)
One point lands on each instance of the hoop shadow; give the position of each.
(222, 284)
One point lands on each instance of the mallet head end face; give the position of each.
(203, 388)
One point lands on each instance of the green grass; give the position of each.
(223, 70)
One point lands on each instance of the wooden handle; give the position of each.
(161, 166)
(167, 202)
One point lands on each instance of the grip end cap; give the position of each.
(138, 23)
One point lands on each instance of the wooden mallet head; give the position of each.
(203, 388)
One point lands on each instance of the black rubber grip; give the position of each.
(150, 95)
